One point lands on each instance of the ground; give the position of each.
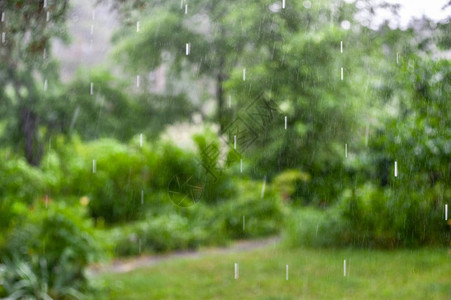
(313, 274)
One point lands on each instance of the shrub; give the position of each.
(171, 161)
(324, 186)
(387, 218)
(374, 217)
(173, 227)
(169, 228)
(315, 228)
(46, 253)
(287, 182)
(263, 215)
(11, 215)
(214, 163)
(128, 176)
(20, 184)
(114, 190)
(30, 279)
(20, 181)
(124, 172)
(160, 234)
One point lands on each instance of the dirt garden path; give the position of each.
(130, 264)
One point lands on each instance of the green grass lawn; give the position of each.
(313, 274)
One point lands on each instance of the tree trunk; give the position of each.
(29, 125)
(220, 98)
(220, 94)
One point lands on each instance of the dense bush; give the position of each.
(163, 233)
(289, 181)
(374, 217)
(124, 173)
(179, 228)
(262, 215)
(114, 190)
(12, 214)
(45, 255)
(413, 130)
(171, 227)
(216, 164)
(19, 181)
(20, 184)
(128, 176)
(387, 218)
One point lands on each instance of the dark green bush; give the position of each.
(215, 166)
(171, 227)
(374, 217)
(380, 217)
(47, 253)
(160, 234)
(288, 181)
(20, 185)
(168, 227)
(170, 161)
(123, 174)
(263, 215)
(11, 215)
(115, 188)
(20, 181)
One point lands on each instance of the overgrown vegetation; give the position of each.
(97, 166)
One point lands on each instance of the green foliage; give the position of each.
(234, 35)
(19, 181)
(171, 161)
(174, 228)
(114, 110)
(32, 280)
(382, 111)
(406, 210)
(412, 127)
(418, 134)
(287, 182)
(168, 229)
(263, 215)
(45, 256)
(25, 66)
(383, 218)
(20, 184)
(12, 214)
(114, 189)
(129, 178)
(374, 217)
(216, 170)
(315, 228)
(320, 121)
(159, 234)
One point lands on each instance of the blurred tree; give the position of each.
(291, 57)
(26, 68)
(419, 134)
(35, 104)
(221, 36)
(114, 110)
